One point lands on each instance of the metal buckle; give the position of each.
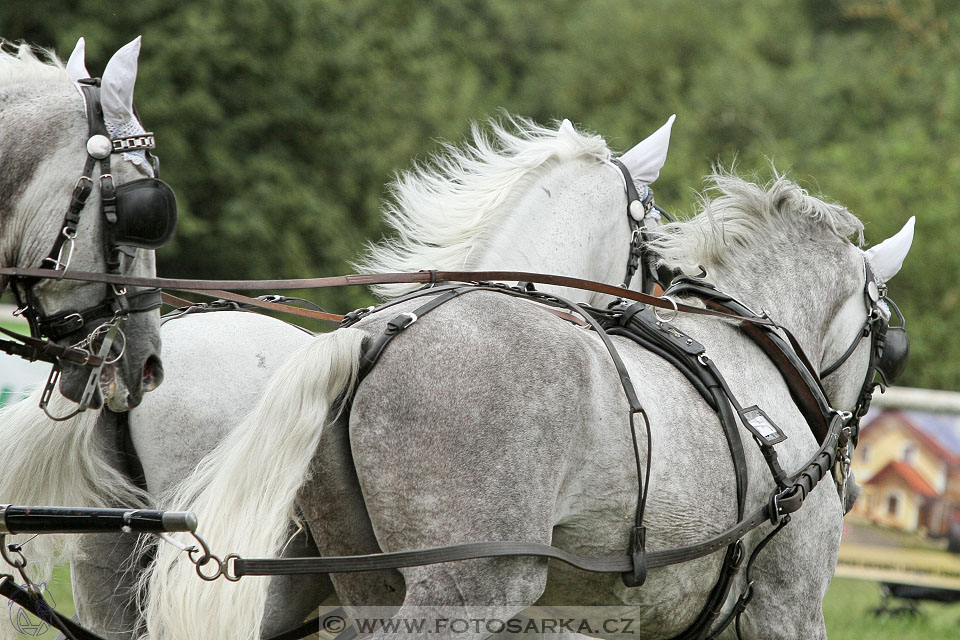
(58, 263)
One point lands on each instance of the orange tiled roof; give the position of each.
(908, 474)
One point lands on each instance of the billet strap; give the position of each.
(271, 306)
(175, 301)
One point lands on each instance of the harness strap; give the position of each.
(780, 504)
(67, 322)
(33, 349)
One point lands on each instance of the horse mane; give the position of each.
(737, 215)
(19, 63)
(443, 210)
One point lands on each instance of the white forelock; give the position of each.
(442, 210)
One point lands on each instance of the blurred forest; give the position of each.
(279, 123)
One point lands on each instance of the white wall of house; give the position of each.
(18, 377)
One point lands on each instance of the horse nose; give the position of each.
(152, 374)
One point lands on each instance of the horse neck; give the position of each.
(570, 221)
(35, 192)
(801, 284)
(39, 128)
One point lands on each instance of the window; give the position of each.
(892, 504)
(910, 453)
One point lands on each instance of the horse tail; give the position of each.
(244, 495)
(45, 462)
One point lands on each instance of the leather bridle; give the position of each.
(640, 208)
(889, 346)
(97, 329)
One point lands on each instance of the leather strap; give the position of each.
(422, 277)
(33, 349)
(40, 608)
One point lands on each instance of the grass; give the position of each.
(58, 594)
(849, 612)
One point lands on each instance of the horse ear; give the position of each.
(646, 159)
(567, 127)
(119, 76)
(887, 257)
(76, 67)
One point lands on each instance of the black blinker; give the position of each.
(896, 350)
(146, 214)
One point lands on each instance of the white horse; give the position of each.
(536, 199)
(46, 143)
(45, 147)
(489, 419)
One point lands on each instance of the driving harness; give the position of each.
(835, 431)
(140, 213)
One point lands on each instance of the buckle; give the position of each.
(401, 322)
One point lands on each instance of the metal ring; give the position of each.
(225, 568)
(206, 560)
(676, 311)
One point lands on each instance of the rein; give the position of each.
(214, 288)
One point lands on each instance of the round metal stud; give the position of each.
(636, 210)
(873, 291)
(99, 146)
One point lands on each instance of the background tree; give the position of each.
(281, 122)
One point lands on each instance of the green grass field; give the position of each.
(848, 609)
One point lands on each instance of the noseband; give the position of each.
(140, 213)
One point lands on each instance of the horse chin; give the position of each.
(113, 388)
(73, 381)
(851, 493)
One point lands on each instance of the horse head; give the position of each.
(86, 199)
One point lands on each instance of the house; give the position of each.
(910, 479)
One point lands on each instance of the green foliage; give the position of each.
(279, 123)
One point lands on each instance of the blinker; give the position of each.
(146, 214)
(896, 351)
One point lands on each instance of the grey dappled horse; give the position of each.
(490, 419)
(44, 138)
(534, 199)
(44, 141)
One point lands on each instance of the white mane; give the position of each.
(443, 210)
(743, 215)
(18, 63)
